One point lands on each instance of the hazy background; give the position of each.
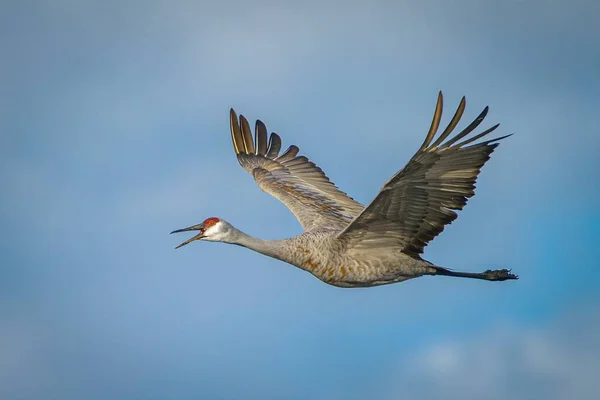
(114, 131)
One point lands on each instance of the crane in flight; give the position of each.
(344, 243)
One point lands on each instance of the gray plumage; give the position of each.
(344, 243)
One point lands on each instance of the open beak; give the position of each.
(199, 227)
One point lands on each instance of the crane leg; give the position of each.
(489, 275)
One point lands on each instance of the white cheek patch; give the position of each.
(212, 230)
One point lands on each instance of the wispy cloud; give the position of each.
(557, 361)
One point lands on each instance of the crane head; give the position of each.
(212, 229)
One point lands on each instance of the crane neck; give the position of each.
(271, 248)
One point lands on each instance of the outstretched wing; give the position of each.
(415, 204)
(294, 180)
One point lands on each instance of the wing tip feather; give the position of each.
(236, 134)
(260, 138)
(246, 135)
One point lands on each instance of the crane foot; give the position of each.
(499, 275)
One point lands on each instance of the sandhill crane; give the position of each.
(344, 243)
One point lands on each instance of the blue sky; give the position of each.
(114, 131)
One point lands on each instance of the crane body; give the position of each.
(344, 243)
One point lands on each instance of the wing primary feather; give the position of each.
(474, 138)
(260, 133)
(236, 133)
(435, 122)
(289, 154)
(247, 135)
(455, 119)
(468, 129)
(415, 205)
(491, 141)
(297, 182)
(274, 145)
